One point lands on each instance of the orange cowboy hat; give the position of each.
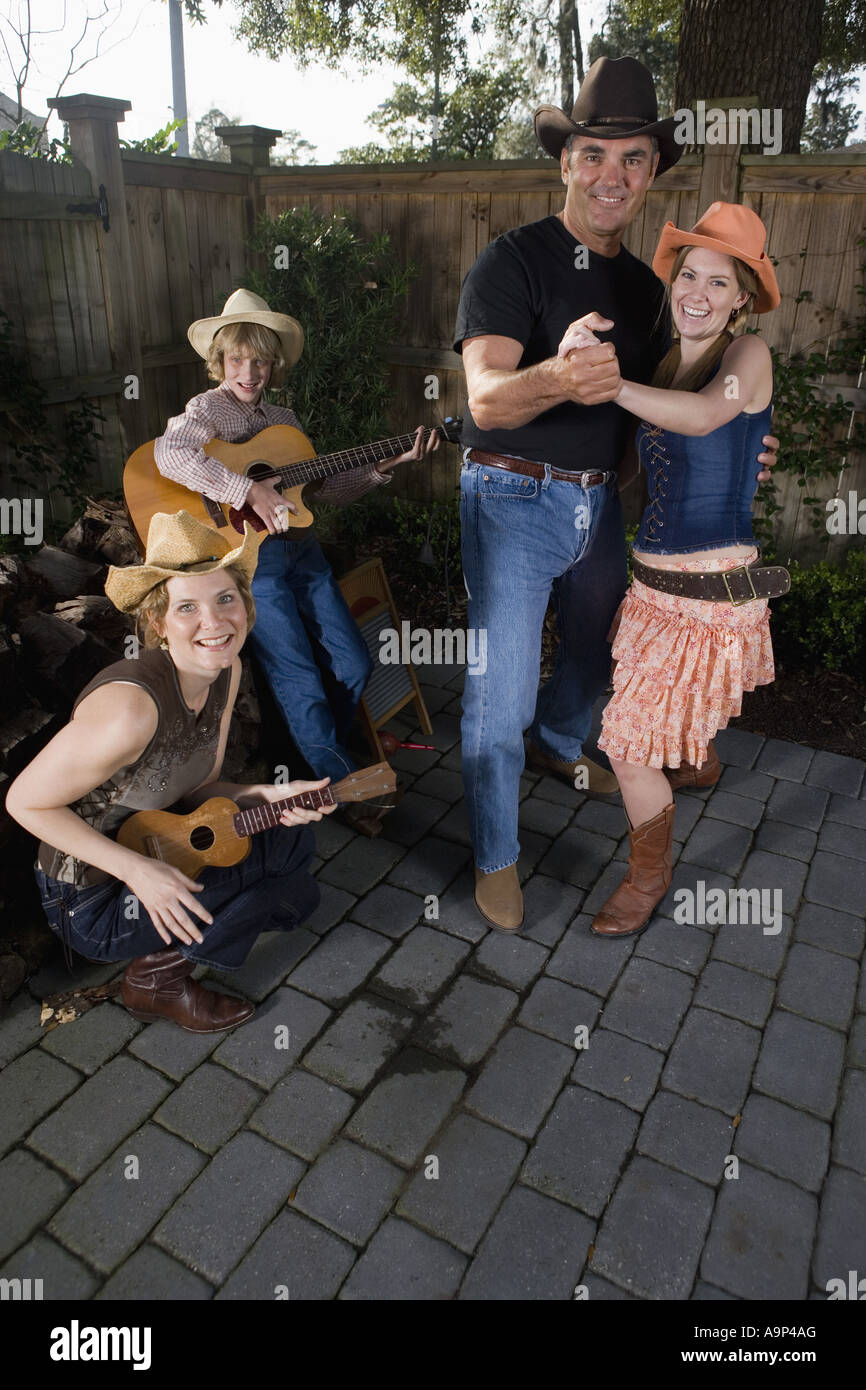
(735, 231)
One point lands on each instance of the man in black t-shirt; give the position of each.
(539, 503)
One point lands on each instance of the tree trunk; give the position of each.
(731, 48)
(578, 46)
(565, 24)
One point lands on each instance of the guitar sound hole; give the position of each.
(260, 470)
(202, 837)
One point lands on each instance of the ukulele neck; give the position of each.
(266, 814)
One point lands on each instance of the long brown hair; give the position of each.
(699, 374)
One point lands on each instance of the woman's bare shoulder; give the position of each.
(122, 710)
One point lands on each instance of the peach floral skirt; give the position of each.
(681, 668)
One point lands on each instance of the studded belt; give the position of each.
(743, 584)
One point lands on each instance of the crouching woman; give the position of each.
(147, 734)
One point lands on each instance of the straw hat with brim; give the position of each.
(735, 231)
(245, 307)
(617, 98)
(178, 545)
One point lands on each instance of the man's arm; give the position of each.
(501, 397)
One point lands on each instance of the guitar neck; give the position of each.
(266, 814)
(326, 465)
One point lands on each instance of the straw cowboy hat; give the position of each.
(617, 98)
(178, 545)
(245, 307)
(735, 231)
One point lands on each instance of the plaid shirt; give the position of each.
(218, 414)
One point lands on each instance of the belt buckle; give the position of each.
(738, 602)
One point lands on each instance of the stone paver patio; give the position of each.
(425, 1109)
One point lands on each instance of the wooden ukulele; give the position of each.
(280, 452)
(218, 832)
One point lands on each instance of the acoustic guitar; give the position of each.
(280, 452)
(218, 832)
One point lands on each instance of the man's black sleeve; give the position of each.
(496, 297)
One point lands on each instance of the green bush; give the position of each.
(381, 514)
(348, 293)
(821, 623)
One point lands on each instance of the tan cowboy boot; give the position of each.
(687, 775)
(595, 780)
(630, 906)
(499, 899)
(160, 986)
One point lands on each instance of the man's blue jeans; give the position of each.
(522, 538)
(310, 648)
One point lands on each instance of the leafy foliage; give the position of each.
(381, 514)
(816, 435)
(348, 293)
(206, 143)
(51, 457)
(624, 32)
(471, 117)
(158, 143)
(29, 139)
(821, 623)
(830, 119)
(416, 34)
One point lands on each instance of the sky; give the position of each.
(328, 108)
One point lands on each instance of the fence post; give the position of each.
(250, 145)
(92, 123)
(720, 172)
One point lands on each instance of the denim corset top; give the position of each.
(701, 488)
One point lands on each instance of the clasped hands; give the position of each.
(588, 369)
(592, 370)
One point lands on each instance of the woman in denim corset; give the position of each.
(692, 633)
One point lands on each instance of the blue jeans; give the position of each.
(270, 890)
(310, 648)
(522, 538)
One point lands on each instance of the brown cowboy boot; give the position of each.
(687, 775)
(599, 781)
(160, 986)
(499, 899)
(630, 906)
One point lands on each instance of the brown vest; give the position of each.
(178, 758)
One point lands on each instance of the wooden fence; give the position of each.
(105, 312)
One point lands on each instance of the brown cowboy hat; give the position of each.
(617, 98)
(245, 307)
(178, 545)
(735, 231)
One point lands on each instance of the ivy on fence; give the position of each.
(817, 437)
(46, 455)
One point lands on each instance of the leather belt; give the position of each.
(737, 586)
(536, 470)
